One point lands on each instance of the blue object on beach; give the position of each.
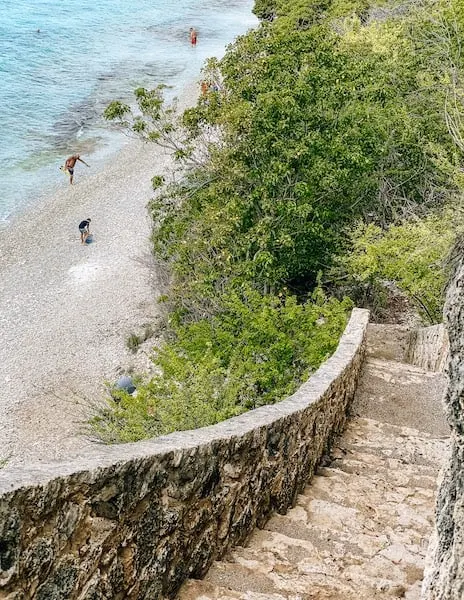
(89, 239)
(125, 383)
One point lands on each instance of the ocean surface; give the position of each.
(63, 61)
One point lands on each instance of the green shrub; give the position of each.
(134, 340)
(323, 118)
(257, 351)
(412, 255)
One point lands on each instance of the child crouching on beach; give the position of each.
(84, 229)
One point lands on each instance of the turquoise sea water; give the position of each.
(62, 61)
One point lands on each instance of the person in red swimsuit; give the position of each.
(193, 36)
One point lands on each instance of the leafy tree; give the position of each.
(413, 255)
(317, 130)
(312, 129)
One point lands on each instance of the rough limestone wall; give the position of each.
(444, 575)
(429, 348)
(134, 521)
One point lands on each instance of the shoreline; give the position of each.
(67, 308)
(61, 88)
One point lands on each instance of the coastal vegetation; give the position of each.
(322, 166)
(413, 254)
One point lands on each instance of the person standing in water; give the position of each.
(193, 36)
(70, 164)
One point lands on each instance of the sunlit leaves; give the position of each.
(413, 255)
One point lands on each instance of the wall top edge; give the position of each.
(100, 456)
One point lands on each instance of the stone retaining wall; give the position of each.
(429, 348)
(134, 521)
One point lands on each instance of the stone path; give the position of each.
(360, 529)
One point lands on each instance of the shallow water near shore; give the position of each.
(62, 63)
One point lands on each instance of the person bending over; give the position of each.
(84, 229)
(70, 164)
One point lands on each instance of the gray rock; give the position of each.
(126, 384)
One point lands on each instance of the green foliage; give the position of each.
(157, 181)
(322, 119)
(318, 129)
(412, 254)
(133, 342)
(116, 111)
(151, 121)
(257, 351)
(305, 13)
(265, 9)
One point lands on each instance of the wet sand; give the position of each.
(67, 309)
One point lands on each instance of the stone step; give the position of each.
(310, 580)
(371, 518)
(336, 552)
(321, 538)
(363, 428)
(355, 532)
(345, 542)
(380, 477)
(388, 342)
(407, 445)
(399, 373)
(340, 488)
(360, 529)
(399, 474)
(401, 395)
(206, 590)
(364, 534)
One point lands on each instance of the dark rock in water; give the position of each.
(107, 76)
(76, 119)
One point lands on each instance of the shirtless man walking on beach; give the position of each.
(69, 165)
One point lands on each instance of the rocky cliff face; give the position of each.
(445, 575)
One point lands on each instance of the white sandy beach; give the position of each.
(67, 309)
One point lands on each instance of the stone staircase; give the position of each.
(360, 529)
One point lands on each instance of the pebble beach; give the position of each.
(68, 309)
